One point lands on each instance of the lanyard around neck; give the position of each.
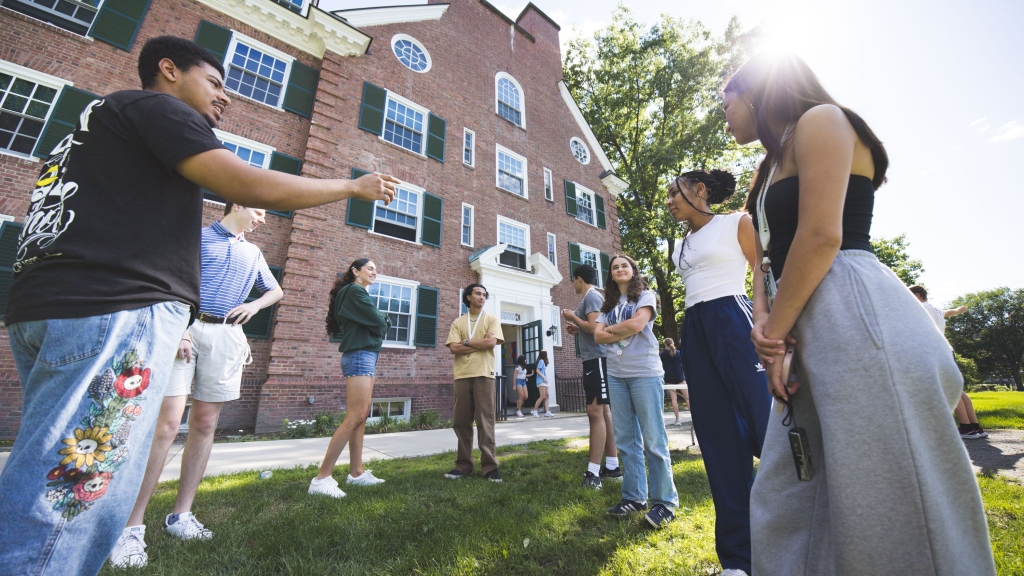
(472, 326)
(770, 285)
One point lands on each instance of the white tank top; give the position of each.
(713, 265)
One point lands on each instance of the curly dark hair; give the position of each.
(347, 278)
(611, 290)
(184, 53)
(719, 186)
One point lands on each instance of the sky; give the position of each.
(940, 82)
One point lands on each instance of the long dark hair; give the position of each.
(611, 290)
(781, 88)
(720, 186)
(347, 278)
(543, 355)
(521, 361)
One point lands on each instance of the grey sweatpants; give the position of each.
(894, 491)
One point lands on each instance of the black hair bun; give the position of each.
(724, 187)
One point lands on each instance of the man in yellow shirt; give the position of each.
(472, 339)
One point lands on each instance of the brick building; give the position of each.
(503, 181)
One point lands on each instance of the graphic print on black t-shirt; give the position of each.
(112, 226)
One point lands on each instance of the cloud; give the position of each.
(1009, 131)
(979, 121)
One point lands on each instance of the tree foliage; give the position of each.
(893, 253)
(991, 332)
(652, 97)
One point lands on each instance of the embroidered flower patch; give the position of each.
(95, 451)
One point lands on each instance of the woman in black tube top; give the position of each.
(893, 493)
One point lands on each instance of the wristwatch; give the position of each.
(465, 342)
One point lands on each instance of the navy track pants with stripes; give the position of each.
(730, 405)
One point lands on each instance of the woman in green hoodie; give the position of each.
(353, 318)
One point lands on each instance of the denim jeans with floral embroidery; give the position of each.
(91, 391)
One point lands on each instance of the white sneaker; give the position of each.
(187, 528)
(549, 415)
(534, 412)
(733, 572)
(130, 549)
(327, 487)
(365, 479)
(519, 413)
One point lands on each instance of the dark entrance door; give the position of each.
(533, 343)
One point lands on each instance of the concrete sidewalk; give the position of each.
(266, 455)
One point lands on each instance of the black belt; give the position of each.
(210, 318)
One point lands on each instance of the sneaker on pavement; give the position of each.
(733, 572)
(130, 549)
(549, 415)
(326, 487)
(625, 507)
(607, 474)
(493, 476)
(968, 432)
(534, 412)
(456, 474)
(187, 527)
(590, 480)
(365, 479)
(980, 431)
(659, 516)
(519, 413)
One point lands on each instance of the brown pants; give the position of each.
(474, 398)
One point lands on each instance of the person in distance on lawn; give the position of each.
(213, 354)
(521, 374)
(360, 327)
(542, 384)
(471, 340)
(99, 301)
(625, 326)
(672, 363)
(582, 323)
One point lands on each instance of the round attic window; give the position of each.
(579, 150)
(411, 53)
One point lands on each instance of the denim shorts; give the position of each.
(359, 363)
(521, 382)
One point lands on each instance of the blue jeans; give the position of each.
(91, 392)
(359, 363)
(637, 406)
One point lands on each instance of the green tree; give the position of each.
(991, 332)
(652, 97)
(893, 253)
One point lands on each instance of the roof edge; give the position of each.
(383, 15)
(539, 11)
(510, 21)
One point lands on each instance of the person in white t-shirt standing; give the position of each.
(968, 420)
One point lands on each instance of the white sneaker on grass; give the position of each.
(187, 527)
(365, 479)
(326, 487)
(130, 549)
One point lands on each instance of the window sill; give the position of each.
(406, 150)
(20, 156)
(47, 25)
(470, 246)
(397, 346)
(588, 223)
(525, 198)
(520, 126)
(245, 98)
(396, 239)
(470, 166)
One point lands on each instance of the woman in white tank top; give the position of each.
(729, 396)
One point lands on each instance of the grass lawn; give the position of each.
(999, 409)
(537, 522)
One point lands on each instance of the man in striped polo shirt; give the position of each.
(211, 357)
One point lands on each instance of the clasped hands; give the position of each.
(772, 352)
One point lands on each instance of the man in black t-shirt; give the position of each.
(106, 280)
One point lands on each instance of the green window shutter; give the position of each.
(430, 233)
(426, 317)
(574, 258)
(63, 119)
(599, 203)
(9, 232)
(371, 113)
(259, 325)
(118, 22)
(435, 137)
(214, 38)
(606, 261)
(570, 198)
(301, 88)
(360, 212)
(289, 165)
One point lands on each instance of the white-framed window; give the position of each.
(555, 318)
(256, 70)
(508, 99)
(405, 124)
(467, 224)
(403, 217)
(411, 53)
(252, 152)
(393, 408)
(585, 207)
(396, 297)
(462, 305)
(73, 15)
(579, 150)
(26, 99)
(552, 252)
(592, 256)
(549, 186)
(517, 236)
(468, 147)
(511, 171)
(297, 6)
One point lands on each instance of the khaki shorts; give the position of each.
(220, 353)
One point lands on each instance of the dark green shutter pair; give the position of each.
(360, 214)
(426, 317)
(118, 22)
(9, 232)
(371, 119)
(63, 119)
(301, 86)
(575, 260)
(572, 209)
(259, 325)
